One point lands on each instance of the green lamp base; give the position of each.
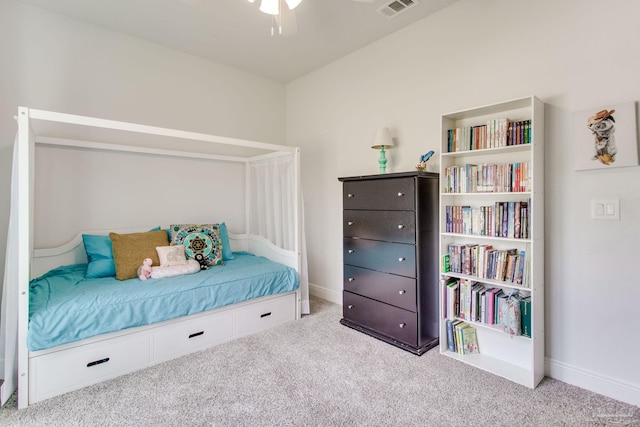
(382, 161)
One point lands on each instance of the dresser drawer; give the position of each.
(388, 288)
(386, 319)
(390, 226)
(380, 194)
(396, 258)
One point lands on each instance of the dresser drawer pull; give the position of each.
(350, 195)
(400, 194)
(350, 251)
(265, 314)
(350, 223)
(350, 306)
(402, 292)
(97, 362)
(196, 334)
(351, 279)
(401, 259)
(400, 226)
(402, 325)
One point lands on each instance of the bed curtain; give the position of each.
(273, 193)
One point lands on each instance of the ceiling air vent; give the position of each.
(396, 7)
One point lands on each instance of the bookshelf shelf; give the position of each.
(517, 358)
(496, 366)
(479, 153)
(501, 193)
(486, 281)
(481, 237)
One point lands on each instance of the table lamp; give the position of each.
(383, 140)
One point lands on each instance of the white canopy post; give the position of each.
(15, 298)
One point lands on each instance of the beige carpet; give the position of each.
(316, 372)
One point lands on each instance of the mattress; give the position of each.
(66, 307)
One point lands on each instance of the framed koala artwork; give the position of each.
(605, 137)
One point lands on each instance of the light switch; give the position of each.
(605, 209)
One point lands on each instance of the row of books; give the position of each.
(462, 337)
(471, 301)
(494, 134)
(488, 178)
(484, 261)
(502, 219)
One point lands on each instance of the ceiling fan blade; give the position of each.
(286, 22)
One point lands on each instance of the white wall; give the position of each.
(573, 55)
(51, 62)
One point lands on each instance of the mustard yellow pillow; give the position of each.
(129, 250)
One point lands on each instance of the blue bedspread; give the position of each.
(65, 307)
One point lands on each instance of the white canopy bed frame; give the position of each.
(39, 375)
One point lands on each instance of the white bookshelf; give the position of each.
(517, 358)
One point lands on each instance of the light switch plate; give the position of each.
(607, 209)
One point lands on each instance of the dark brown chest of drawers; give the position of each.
(390, 233)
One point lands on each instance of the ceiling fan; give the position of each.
(284, 20)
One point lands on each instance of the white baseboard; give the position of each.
(611, 387)
(325, 293)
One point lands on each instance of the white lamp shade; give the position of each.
(271, 7)
(383, 139)
(293, 3)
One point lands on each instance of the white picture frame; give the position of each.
(605, 138)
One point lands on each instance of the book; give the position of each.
(470, 340)
(457, 329)
(445, 263)
(525, 312)
(453, 299)
(511, 317)
(451, 345)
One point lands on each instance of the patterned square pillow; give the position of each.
(171, 256)
(203, 239)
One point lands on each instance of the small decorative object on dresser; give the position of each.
(391, 258)
(422, 164)
(383, 140)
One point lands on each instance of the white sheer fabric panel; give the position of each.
(271, 198)
(9, 314)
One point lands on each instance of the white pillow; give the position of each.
(171, 256)
(191, 266)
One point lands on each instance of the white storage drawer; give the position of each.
(192, 335)
(265, 314)
(62, 371)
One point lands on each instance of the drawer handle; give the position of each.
(400, 226)
(350, 223)
(197, 334)
(97, 362)
(350, 195)
(350, 251)
(265, 315)
(402, 292)
(400, 194)
(351, 279)
(402, 325)
(401, 259)
(350, 306)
